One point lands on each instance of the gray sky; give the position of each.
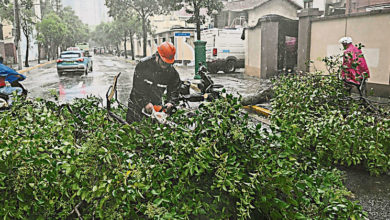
(91, 12)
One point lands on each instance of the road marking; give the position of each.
(260, 110)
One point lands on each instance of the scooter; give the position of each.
(6, 100)
(206, 91)
(14, 78)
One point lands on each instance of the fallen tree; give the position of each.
(72, 161)
(261, 97)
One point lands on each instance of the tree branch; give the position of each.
(77, 210)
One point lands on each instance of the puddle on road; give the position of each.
(373, 193)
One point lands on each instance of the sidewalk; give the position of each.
(235, 83)
(32, 65)
(128, 60)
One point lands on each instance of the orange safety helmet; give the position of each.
(167, 52)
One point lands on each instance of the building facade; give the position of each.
(355, 6)
(270, 33)
(173, 28)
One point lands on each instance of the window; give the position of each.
(70, 55)
(308, 3)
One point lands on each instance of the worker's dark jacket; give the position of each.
(150, 82)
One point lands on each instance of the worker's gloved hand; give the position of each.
(149, 108)
(168, 106)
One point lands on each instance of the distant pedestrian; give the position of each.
(354, 70)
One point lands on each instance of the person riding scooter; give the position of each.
(154, 76)
(9, 75)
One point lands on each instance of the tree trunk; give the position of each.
(27, 51)
(125, 46)
(48, 53)
(132, 45)
(55, 52)
(18, 33)
(39, 53)
(1, 31)
(263, 96)
(144, 34)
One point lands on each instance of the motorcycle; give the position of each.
(206, 91)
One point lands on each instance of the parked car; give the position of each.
(224, 49)
(74, 61)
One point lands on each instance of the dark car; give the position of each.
(74, 61)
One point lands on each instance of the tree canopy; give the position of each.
(51, 30)
(143, 8)
(194, 7)
(76, 30)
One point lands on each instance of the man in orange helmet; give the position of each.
(154, 76)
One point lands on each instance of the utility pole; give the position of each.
(41, 7)
(17, 33)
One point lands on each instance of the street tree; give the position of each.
(6, 13)
(76, 30)
(6, 10)
(120, 25)
(108, 34)
(27, 23)
(134, 27)
(129, 23)
(51, 33)
(144, 8)
(101, 34)
(116, 33)
(194, 7)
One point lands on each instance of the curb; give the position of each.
(258, 109)
(37, 66)
(134, 62)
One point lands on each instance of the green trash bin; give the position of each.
(200, 56)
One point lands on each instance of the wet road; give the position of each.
(373, 193)
(44, 81)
